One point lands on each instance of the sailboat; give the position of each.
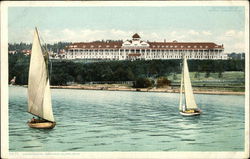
(39, 95)
(189, 106)
(13, 81)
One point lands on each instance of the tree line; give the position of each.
(18, 47)
(64, 71)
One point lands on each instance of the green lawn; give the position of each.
(234, 81)
(227, 76)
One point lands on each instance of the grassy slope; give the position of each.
(230, 81)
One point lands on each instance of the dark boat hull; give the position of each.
(190, 113)
(42, 125)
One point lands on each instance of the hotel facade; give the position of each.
(137, 49)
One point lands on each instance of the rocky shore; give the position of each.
(125, 88)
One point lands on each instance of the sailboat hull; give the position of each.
(42, 125)
(190, 114)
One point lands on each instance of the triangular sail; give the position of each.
(189, 96)
(39, 96)
(181, 90)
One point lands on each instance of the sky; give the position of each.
(219, 24)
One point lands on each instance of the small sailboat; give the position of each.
(13, 81)
(189, 106)
(39, 95)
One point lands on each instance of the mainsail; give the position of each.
(39, 95)
(189, 96)
(181, 90)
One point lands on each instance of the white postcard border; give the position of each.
(4, 83)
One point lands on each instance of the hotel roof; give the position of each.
(152, 45)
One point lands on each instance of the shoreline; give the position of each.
(155, 90)
(159, 90)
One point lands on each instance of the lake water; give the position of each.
(89, 120)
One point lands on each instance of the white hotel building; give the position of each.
(137, 49)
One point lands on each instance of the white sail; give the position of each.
(39, 96)
(189, 96)
(181, 90)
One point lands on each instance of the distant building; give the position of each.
(59, 55)
(12, 52)
(26, 52)
(137, 49)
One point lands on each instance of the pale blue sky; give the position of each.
(153, 23)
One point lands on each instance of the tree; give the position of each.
(197, 75)
(174, 76)
(143, 83)
(220, 75)
(207, 75)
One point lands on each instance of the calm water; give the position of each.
(90, 120)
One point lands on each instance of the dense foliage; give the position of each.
(65, 71)
(24, 46)
(163, 81)
(143, 83)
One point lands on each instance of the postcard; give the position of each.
(106, 79)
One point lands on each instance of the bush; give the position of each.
(143, 83)
(163, 81)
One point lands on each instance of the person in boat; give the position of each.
(33, 120)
